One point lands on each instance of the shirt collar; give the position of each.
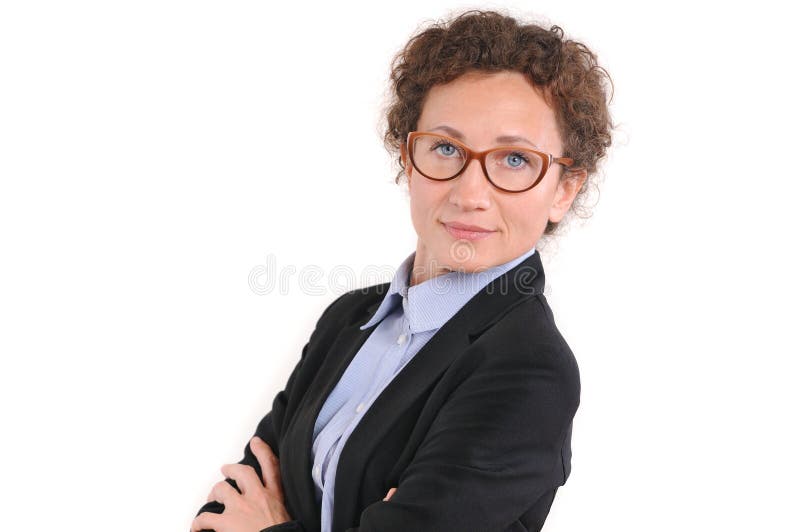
(398, 289)
(430, 304)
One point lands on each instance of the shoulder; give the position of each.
(527, 340)
(529, 327)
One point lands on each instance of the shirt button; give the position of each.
(360, 407)
(316, 470)
(401, 339)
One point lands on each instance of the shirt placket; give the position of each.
(391, 359)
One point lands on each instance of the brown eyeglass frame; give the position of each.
(547, 159)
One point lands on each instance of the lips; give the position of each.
(465, 227)
(467, 231)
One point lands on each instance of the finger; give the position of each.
(270, 468)
(389, 494)
(211, 493)
(222, 492)
(244, 475)
(206, 521)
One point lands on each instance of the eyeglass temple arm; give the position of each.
(564, 161)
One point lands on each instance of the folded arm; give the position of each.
(494, 449)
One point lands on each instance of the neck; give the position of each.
(424, 271)
(426, 267)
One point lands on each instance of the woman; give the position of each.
(444, 400)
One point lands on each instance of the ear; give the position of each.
(568, 187)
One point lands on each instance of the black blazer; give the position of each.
(474, 431)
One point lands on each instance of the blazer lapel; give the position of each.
(299, 464)
(481, 312)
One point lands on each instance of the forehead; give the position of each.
(484, 106)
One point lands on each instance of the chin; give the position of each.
(469, 257)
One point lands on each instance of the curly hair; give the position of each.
(564, 71)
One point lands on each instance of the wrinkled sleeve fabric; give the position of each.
(269, 430)
(288, 526)
(493, 450)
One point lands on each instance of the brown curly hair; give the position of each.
(564, 71)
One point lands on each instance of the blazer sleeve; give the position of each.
(494, 448)
(269, 430)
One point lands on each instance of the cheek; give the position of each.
(416, 216)
(424, 200)
(525, 213)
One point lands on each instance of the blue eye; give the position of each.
(515, 160)
(446, 149)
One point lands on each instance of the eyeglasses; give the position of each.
(509, 168)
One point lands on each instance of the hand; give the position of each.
(389, 494)
(258, 506)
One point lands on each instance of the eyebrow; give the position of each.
(503, 139)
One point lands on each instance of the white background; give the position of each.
(153, 154)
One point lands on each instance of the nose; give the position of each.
(470, 190)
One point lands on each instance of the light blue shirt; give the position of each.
(407, 318)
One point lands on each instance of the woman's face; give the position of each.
(476, 109)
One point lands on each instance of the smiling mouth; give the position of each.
(467, 232)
